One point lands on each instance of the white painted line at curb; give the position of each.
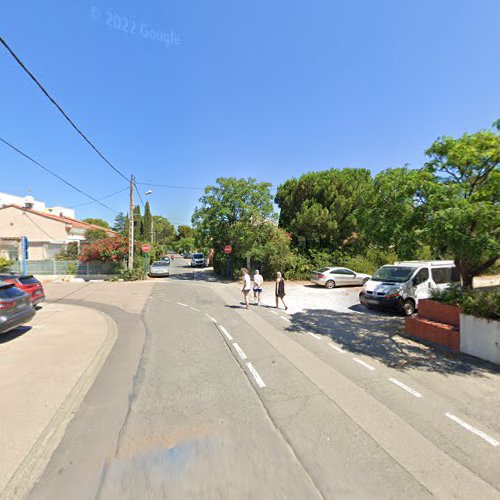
(181, 304)
(362, 363)
(285, 319)
(240, 352)
(225, 332)
(337, 348)
(273, 312)
(472, 429)
(313, 335)
(210, 318)
(405, 387)
(256, 375)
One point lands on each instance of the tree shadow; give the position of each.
(381, 336)
(14, 334)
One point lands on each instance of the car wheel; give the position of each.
(408, 307)
(330, 284)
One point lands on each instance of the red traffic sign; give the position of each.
(228, 249)
(146, 248)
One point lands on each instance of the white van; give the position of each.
(400, 286)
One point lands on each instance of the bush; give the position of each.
(453, 295)
(5, 264)
(125, 274)
(483, 304)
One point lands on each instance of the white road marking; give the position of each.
(210, 318)
(472, 429)
(337, 348)
(362, 363)
(405, 387)
(317, 337)
(194, 309)
(166, 300)
(285, 319)
(273, 312)
(240, 352)
(256, 375)
(225, 332)
(181, 304)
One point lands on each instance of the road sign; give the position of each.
(146, 248)
(228, 249)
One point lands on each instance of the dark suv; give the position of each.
(15, 307)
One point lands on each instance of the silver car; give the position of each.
(15, 307)
(159, 268)
(330, 277)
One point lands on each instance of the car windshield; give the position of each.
(198, 256)
(393, 273)
(28, 280)
(160, 264)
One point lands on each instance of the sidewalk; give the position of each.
(46, 368)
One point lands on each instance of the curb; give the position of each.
(32, 467)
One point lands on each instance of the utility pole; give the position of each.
(131, 226)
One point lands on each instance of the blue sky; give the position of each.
(268, 88)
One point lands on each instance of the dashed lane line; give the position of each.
(314, 336)
(405, 387)
(239, 350)
(363, 363)
(210, 318)
(225, 332)
(255, 375)
(194, 309)
(337, 348)
(181, 304)
(472, 429)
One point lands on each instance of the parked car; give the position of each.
(198, 260)
(16, 308)
(166, 259)
(28, 284)
(400, 286)
(159, 268)
(330, 277)
(188, 255)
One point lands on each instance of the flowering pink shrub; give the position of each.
(113, 249)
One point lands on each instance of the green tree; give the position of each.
(164, 230)
(92, 235)
(393, 218)
(323, 207)
(185, 232)
(97, 222)
(463, 200)
(147, 221)
(138, 228)
(121, 224)
(234, 212)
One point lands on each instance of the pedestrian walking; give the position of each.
(280, 290)
(247, 285)
(257, 286)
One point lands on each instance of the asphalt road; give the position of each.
(201, 398)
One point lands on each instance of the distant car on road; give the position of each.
(330, 277)
(198, 260)
(159, 268)
(165, 259)
(28, 284)
(15, 307)
(188, 255)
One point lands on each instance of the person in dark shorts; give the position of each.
(280, 290)
(257, 286)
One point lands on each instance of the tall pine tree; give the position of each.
(146, 223)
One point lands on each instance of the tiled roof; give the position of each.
(60, 218)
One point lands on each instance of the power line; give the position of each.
(17, 150)
(100, 199)
(169, 186)
(139, 194)
(61, 110)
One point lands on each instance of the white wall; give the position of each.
(480, 337)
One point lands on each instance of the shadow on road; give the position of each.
(14, 334)
(377, 335)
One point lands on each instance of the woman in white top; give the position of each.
(257, 286)
(247, 285)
